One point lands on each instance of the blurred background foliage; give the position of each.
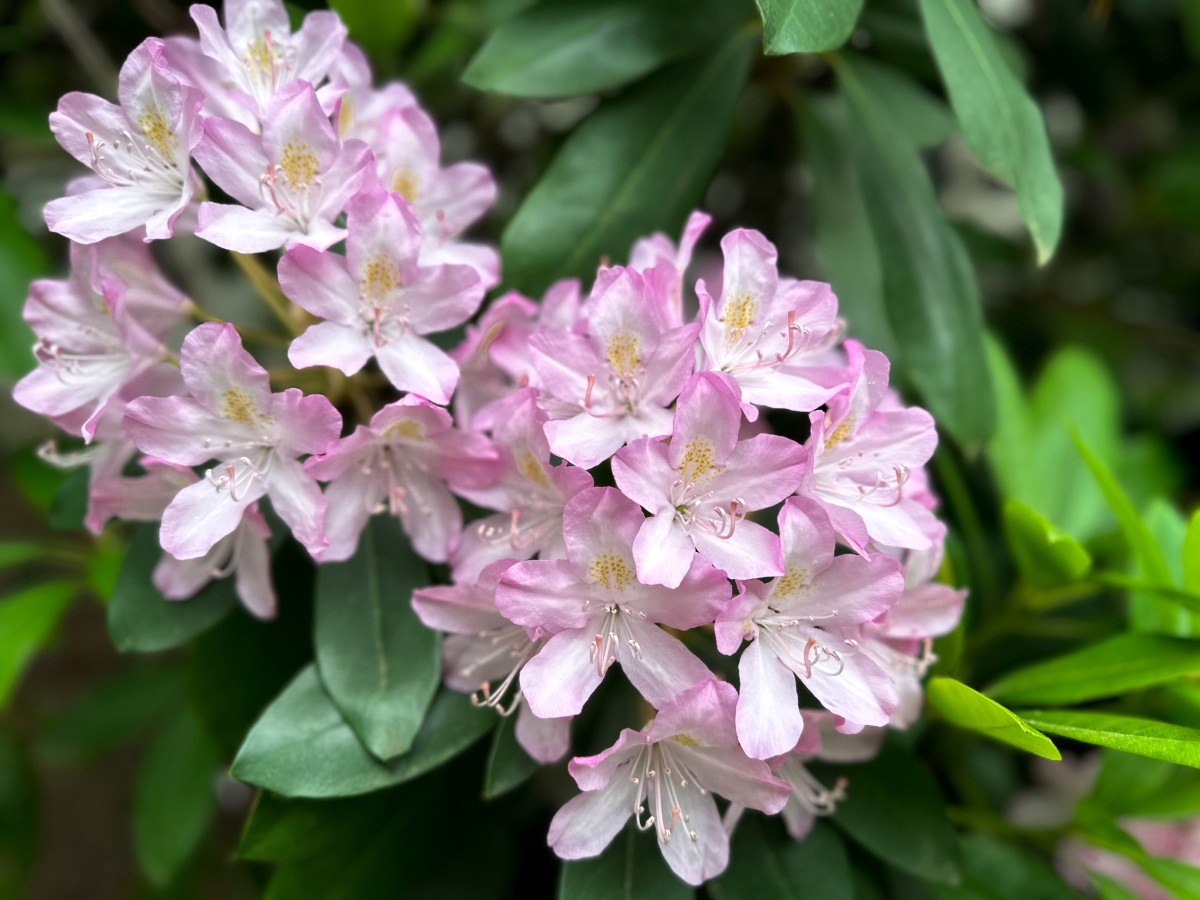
(1106, 336)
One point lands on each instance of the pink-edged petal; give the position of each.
(707, 419)
(317, 45)
(182, 579)
(344, 347)
(662, 551)
(706, 857)
(305, 423)
(443, 297)
(107, 212)
(200, 515)
(588, 823)
(585, 440)
(77, 115)
(434, 529)
(294, 122)
(750, 552)
(546, 740)
(644, 473)
(253, 576)
(734, 620)
(848, 524)
(903, 524)
(563, 361)
(702, 594)
(544, 593)
(480, 257)
(768, 715)
(298, 500)
(458, 609)
(930, 610)
(348, 507)
(456, 197)
(749, 270)
(475, 552)
(592, 773)
(319, 282)
(852, 590)
(243, 230)
(806, 535)
(661, 667)
(412, 363)
(180, 430)
(558, 681)
(761, 471)
(668, 368)
(600, 521)
(232, 156)
(382, 229)
(797, 820)
(861, 692)
(729, 773)
(215, 367)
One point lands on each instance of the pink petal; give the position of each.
(852, 590)
(707, 419)
(304, 423)
(768, 715)
(107, 212)
(232, 156)
(180, 430)
(707, 856)
(243, 230)
(644, 474)
(348, 502)
(200, 515)
(317, 45)
(412, 363)
(298, 500)
(344, 347)
(461, 194)
(319, 282)
(215, 365)
(443, 297)
(662, 550)
(585, 440)
(701, 595)
(382, 227)
(480, 257)
(546, 740)
(254, 586)
(731, 623)
(751, 552)
(600, 521)
(558, 681)
(588, 823)
(668, 368)
(930, 610)
(806, 535)
(762, 471)
(544, 593)
(661, 667)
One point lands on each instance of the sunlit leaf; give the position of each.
(1045, 555)
(807, 26)
(962, 706)
(1144, 737)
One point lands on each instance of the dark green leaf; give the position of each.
(564, 49)
(70, 501)
(630, 868)
(15, 553)
(173, 797)
(1124, 663)
(807, 26)
(1107, 889)
(18, 816)
(381, 28)
(925, 120)
(637, 165)
(1045, 556)
(962, 706)
(378, 663)
(766, 864)
(1183, 879)
(1126, 780)
(1144, 737)
(1000, 121)
(21, 260)
(27, 621)
(140, 619)
(993, 870)
(508, 765)
(302, 747)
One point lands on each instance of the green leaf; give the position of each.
(1127, 662)
(962, 706)
(1107, 889)
(1144, 737)
(929, 288)
(173, 797)
(27, 621)
(1183, 879)
(379, 664)
(993, 870)
(1147, 610)
(630, 868)
(925, 120)
(19, 808)
(1000, 121)
(807, 26)
(21, 261)
(140, 619)
(637, 165)
(381, 28)
(302, 747)
(766, 864)
(71, 501)
(1191, 554)
(893, 808)
(1126, 780)
(508, 765)
(1045, 556)
(16, 553)
(564, 49)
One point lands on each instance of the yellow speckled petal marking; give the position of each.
(698, 459)
(154, 126)
(611, 570)
(299, 163)
(738, 315)
(236, 404)
(380, 276)
(791, 582)
(624, 352)
(839, 434)
(407, 429)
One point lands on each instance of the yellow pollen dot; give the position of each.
(839, 434)
(154, 126)
(624, 352)
(792, 581)
(407, 184)
(408, 429)
(738, 314)
(611, 570)
(686, 739)
(698, 459)
(300, 165)
(531, 467)
(236, 404)
(260, 56)
(380, 276)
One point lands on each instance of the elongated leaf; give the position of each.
(27, 621)
(997, 871)
(766, 864)
(630, 868)
(1000, 121)
(173, 798)
(958, 704)
(1107, 889)
(564, 49)
(21, 260)
(140, 619)
(929, 287)
(508, 765)
(925, 120)
(1183, 879)
(1191, 554)
(1149, 611)
(15, 553)
(1144, 737)
(807, 26)
(302, 747)
(1045, 555)
(1124, 663)
(637, 165)
(379, 664)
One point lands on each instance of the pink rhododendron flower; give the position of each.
(140, 150)
(484, 647)
(699, 488)
(795, 624)
(598, 612)
(292, 180)
(377, 300)
(256, 435)
(862, 453)
(530, 493)
(669, 772)
(404, 463)
(260, 56)
(97, 334)
(659, 254)
(771, 335)
(612, 385)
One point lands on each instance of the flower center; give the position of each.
(611, 570)
(665, 783)
(407, 184)
(738, 315)
(154, 126)
(299, 164)
(623, 352)
(699, 459)
(238, 405)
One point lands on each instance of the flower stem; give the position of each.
(268, 289)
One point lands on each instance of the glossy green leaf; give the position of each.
(962, 706)
(379, 664)
(21, 261)
(1144, 737)
(807, 26)
(630, 868)
(1001, 122)
(174, 797)
(766, 864)
(508, 765)
(929, 288)
(140, 619)
(380, 28)
(27, 622)
(1046, 556)
(1191, 554)
(302, 747)
(565, 49)
(893, 808)
(637, 165)
(994, 870)
(925, 120)
(1127, 662)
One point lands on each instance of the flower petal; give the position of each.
(558, 681)
(768, 714)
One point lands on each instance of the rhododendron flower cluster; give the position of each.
(812, 561)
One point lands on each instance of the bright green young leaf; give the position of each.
(1046, 556)
(302, 747)
(1152, 612)
(508, 765)
(381, 28)
(1144, 737)
(1107, 889)
(16, 553)
(766, 864)
(930, 292)
(21, 261)
(637, 165)
(1191, 554)
(27, 621)
(962, 706)
(995, 870)
(380, 665)
(173, 797)
(141, 620)
(1001, 122)
(1183, 879)
(565, 49)
(807, 26)
(893, 808)
(630, 868)
(1127, 662)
